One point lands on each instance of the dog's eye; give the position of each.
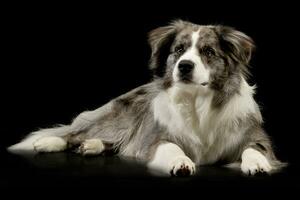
(208, 52)
(179, 49)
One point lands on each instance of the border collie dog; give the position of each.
(198, 110)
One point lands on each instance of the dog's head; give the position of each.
(212, 57)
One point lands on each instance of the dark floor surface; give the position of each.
(69, 170)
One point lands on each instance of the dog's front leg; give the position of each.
(170, 159)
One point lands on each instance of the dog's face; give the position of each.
(203, 56)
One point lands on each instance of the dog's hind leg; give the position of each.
(91, 147)
(56, 144)
(50, 144)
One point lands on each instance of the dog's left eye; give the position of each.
(179, 49)
(208, 51)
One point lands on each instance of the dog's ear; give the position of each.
(160, 41)
(236, 44)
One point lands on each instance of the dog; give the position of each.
(197, 110)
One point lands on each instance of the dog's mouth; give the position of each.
(186, 80)
(204, 83)
(189, 81)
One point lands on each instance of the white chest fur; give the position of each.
(188, 115)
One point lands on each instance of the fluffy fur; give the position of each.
(199, 108)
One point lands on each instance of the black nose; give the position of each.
(185, 67)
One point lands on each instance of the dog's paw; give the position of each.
(91, 147)
(182, 166)
(50, 144)
(254, 162)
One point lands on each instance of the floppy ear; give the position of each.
(238, 45)
(160, 40)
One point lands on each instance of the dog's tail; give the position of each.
(277, 165)
(27, 143)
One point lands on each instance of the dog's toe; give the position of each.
(182, 166)
(91, 147)
(183, 171)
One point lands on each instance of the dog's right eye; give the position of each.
(179, 49)
(208, 51)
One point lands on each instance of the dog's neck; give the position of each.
(191, 102)
(192, 106)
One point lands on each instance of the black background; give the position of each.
(59, 60)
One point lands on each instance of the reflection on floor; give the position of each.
(70, 169)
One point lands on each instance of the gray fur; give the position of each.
(126, 124)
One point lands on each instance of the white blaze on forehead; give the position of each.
(195, 37)
(200, 73)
